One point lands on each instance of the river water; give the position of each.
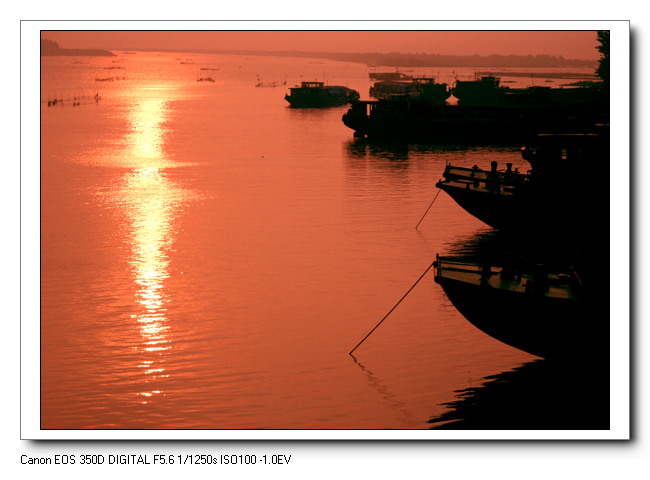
(209, 256)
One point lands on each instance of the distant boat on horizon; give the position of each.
(318, 95)
(396, 75)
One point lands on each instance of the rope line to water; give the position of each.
(425, 213)
(391, 310)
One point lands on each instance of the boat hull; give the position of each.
(533, 212)
(455, 124)
(317, 102)
(503, 212)
(545, 327)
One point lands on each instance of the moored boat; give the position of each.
(384, 76)
(401, 116)
(511, 122)
(484, 91)
(555, 195)
(499, 199)
(419, 88)
(319, 95)
(539, 312)
(487, 91)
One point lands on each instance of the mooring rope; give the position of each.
(425, 213)
(391, 310)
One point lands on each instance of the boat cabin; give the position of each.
(312, 85)
(569, 151)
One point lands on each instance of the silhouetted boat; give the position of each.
(497, 198)
(535, 311)
(484, 91)
(510, 117)
(487, 91)
(318, 95)
(420, 88)
(396, 75)
(554, 196)
(386, 88)
(404, 117)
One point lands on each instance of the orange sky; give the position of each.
(570, 44)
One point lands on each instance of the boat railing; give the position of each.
(449, 263)
(494, 179)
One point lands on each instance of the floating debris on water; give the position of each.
(109, 79)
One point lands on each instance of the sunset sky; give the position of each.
(569, 44)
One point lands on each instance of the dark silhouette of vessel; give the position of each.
(401, 117)
(533, 310)
(487, 91)
(486, 114)
(319, 95)
(421, 88)
(556, 208)
(484, 91)
(387, 76)
(555, 195)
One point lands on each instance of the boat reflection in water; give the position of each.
(540, 395)
(403, 149)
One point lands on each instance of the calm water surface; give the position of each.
(209, 256)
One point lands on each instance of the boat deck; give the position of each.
(473, 179)
(559, 286)
(471, 186)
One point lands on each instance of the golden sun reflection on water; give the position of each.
(146, 139)
(152, 203)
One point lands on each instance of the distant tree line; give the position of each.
(400, 60)
(603, 64)
(51, 48)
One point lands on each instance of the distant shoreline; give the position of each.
(562, 75)
(408, 60)
(420, 60)
(77, 52)
(52, 49)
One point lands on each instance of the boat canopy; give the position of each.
(312, 84)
